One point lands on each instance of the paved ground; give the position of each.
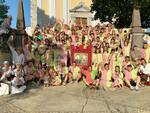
(75, 98)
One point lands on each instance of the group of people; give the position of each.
(45, 58)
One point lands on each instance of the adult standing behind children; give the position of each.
(17, 54)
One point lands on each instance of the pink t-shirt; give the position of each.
(73, 40)
(128, 75)
(27, 53)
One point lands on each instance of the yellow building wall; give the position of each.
(59, 9)
(88, 2)
(45, 6)
(45, 11)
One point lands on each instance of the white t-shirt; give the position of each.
(147, 39)
(17, 59)
(146, 69)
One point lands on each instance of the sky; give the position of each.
(13, 11)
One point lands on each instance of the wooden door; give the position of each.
(81, 21)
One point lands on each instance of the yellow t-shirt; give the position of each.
(147, 54)
(99, 56)
(76, 72)
(94, 57)
(127, 51)
(134, 73)
(109, 76)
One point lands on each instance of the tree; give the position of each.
(105, 10)
(3, 10)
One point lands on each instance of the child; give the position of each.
(39, 73)
(106, 76)
(6, 71)
(46, 80)
(97, 56)
(87, 78)
(145, 52)
(57, 79)
(112, 59)
(94, 70)
(131, 78)
(17, 84)
(126, 62)
(48, 77)
(145, 68)
(126, 45)
(64, 73)
(29, 71)
(75, 71)
(119, 59)
(105, 55)
(118, 77)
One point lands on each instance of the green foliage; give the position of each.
(122, 10)
(3, 10)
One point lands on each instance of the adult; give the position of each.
(145, 51)
(17, 84)
(145, 68)
(4, 83)
(17, 54)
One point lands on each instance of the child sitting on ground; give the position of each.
(18, 82)
(131, 77)
(46, 80)
(106, 78)
(48, 77)
(118, 77)
(57, 79)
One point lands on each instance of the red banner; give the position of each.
(81, 55)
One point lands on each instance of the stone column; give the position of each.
(33, 6)
(20, 25)
(89, 19)
(65, 11)
(73, 18)
(137, 33)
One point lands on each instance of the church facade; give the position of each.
(74, 11)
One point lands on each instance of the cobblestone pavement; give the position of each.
(76, 99)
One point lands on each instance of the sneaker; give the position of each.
(71, 82)
(64, 84)
(132, 88)
(136, 88)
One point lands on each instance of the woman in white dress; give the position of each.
(17, 84)
(145, 68)
(4, 83)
